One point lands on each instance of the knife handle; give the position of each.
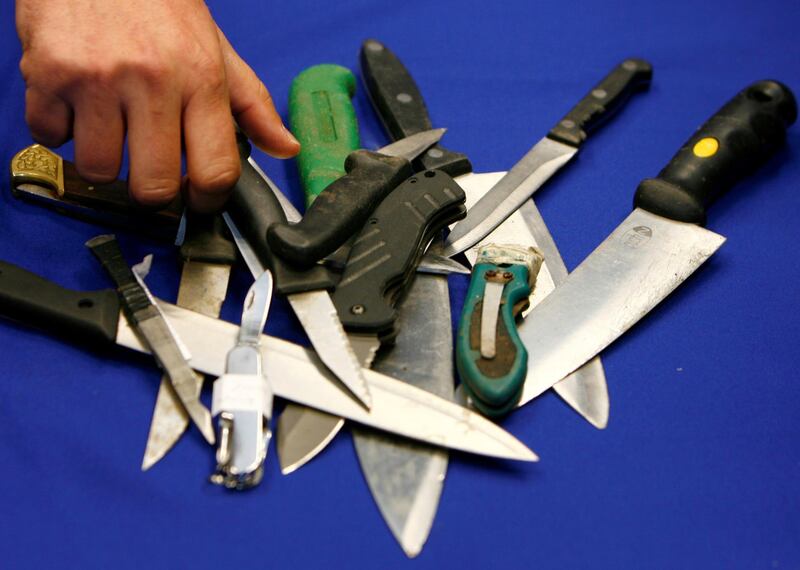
(603, 101)
(494, 384)
(401, 108)
(207, 240)
(386, 252)
(254, 208)
(739, 138)
(87, 316)
(324, 121)
(340, 210)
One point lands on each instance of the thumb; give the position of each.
(252, 106)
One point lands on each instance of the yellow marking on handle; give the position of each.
(706, 147)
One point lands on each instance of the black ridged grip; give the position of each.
(739, 138)
(340, 210)
(401, 108)
(254, 208)
(82, 316)
(386, 253)
(603, 101)
(207, 240)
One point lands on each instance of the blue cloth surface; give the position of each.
(700, 464)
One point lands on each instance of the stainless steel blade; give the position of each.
(406, 478)
(302, 434)
(297, 374)
(317, 314)
(202, 289)
(413, 146)
(585, 389)
(527, 175)
(644, 259)
(440, 265)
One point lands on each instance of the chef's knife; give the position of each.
(660, 243)
(549, 154)
(297, 374)
(401, 107)
(207, 254)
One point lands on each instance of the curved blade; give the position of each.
(302, 434)
(413, 146)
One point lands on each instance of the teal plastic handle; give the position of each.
(494, 385)
(323, 120)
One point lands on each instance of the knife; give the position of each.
(402, 109)
(660, 243)
(242, 399)
(490, 357)
(207, 255)
(381, 260)
(549, 154)
(94, 318)
(146, 318)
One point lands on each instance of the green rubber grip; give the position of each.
(322, 118)
(494, 385)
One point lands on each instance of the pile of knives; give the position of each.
(365, 269)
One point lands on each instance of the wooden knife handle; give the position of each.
(739, 138)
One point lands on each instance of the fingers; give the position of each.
(212, 158)
(49, 118)
(154, 147)
(98, 132)
(253, 108)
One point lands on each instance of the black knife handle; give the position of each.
(603, 101)
(340, 210)
(385, 254)
(739, 138)
(85, 316)
(207, 240)
(401, 108)
(134, 298)
(254, 208)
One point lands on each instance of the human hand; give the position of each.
(160, 70)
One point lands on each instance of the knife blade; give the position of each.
(402, 109)
(207, 255)
(549, 154)
(660, 243)
(95, 319)
(147, 320)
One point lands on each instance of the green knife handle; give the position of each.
(340, 210)
(494, 385)
(323, 120)
(603, 101)
(739, 138)
(86, 316)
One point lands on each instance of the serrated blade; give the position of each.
(505, 197)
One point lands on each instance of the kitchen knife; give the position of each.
(658, 245)
(403, 111)
(208, 254)
(95, 319)
(548, 155)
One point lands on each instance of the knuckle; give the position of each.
(155, 192)
(217, 177)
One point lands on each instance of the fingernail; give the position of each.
(289, 136)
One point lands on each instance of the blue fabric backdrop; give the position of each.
(700, 464)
